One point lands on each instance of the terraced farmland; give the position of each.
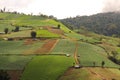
(45, 58)
(14, 62)
(90, 53)
(47, 67)
(64, 46)
(46, 33)
(19, 47)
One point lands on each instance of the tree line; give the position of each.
(102, 23)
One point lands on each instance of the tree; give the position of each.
(6, 30)
(16, 29)
(4, 9)
(58, 26)
(94, 63)
(33, 34)
(103, 63)
(4, 75)
(1, 11)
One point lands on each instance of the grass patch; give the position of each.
(46, 67)
(46, 33)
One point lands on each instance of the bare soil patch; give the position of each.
(54, 30)
(47, 47)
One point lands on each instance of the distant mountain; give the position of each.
(102, 23)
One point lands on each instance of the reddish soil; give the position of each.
(54, 30)
(47, 47)
(15, 74)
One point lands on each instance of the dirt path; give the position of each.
(58, 31)
(76, 49)
(47, 47)
(75, 54)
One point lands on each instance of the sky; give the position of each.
(61, 8)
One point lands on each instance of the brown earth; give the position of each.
(54, 30)
(47, 47)
(15, 74)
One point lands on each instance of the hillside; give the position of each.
(56, 52)
(102, 23)
(28, 23)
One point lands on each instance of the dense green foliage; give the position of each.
(33, 34)
(102, 23)
(46, 67)
(6, 30)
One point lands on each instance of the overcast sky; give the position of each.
(61, 8)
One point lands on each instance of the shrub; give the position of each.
(102, 64)
(6, 30)
(33, 34)
(4, 75)
(16, 29)
(58, 26)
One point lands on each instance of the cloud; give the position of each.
(14, 4)
(111, 6)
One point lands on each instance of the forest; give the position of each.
(102, 23)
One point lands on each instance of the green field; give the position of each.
(22, 53)
(25, 33)
(46, 33)
(46, 67)
(35, 22)
(18, 47)
(90, 53)
(10, 16)
(64, 46)
(14, 62)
